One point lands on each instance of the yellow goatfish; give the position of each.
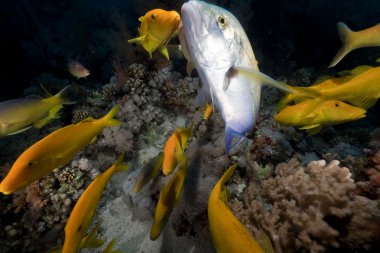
(149, 171)
(169, 197)
(77, 69)
(227, 233)
(369, 37)
(361, 90)
(156, 29)
(19, 115)
(327, 83)
(55, 150)
(83, 211)
(326, 113)
(175, 148)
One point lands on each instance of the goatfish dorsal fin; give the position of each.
(355, 72)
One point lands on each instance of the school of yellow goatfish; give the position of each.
(330, 101)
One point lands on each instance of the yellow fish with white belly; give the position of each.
(157, 28)
(83, 211)
(19, 115)
(55, 150)
(227, 233)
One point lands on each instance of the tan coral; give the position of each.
(311, 209)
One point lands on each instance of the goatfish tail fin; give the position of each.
(61, 97)
(91, 240)
(108, 118)
(118, 164)
(345, 35)
(223, 195)
(257, 76)
(189, 130)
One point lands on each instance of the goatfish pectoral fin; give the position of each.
(52, 114)
(312, 129)
(363, 102)
(257, 76)
(345, 35)
(149, 172)
(164, 52)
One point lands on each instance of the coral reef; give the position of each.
(312, 208)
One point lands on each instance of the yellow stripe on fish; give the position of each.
(83, 211)
(227, 233)
(53, 151)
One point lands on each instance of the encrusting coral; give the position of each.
(313, 208)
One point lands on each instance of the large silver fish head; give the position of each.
(210, 33)
(216, 41)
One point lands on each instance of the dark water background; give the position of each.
(39, 36)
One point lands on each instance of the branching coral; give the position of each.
(313, 209)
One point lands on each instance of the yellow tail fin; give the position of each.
(118, 164)
(61, 97)
(345, 35)
(110, 121)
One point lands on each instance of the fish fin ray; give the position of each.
(230, 135)
(255, 75)
(345, 35)
(363, 102)
(20, 131)
(203, 96)
(189, 68)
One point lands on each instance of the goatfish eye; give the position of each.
(154, 16)
(336, 104)
(222, 22)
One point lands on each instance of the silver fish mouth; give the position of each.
(193, 22)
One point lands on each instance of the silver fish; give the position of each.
(218, 44)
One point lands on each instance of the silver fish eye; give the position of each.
(222, 22)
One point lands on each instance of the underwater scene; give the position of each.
(164, 126)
